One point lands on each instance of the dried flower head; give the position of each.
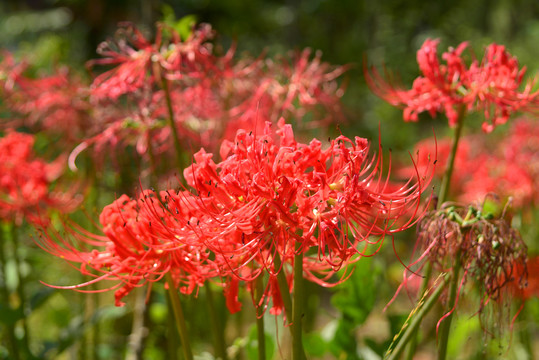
(486, 245)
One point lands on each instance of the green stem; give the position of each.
(446, 323)
(283, 287)
(13, 349)
(260, 320)
(172, 335)
(413, 342)
(446, 181)
(416, 321)
(180, 319)
(526, 334)
(298, 305)
(442, 197)
(93, 201)
(152, 162)
(20, 288)
(285, 292)
(218, 333)
(173, 129)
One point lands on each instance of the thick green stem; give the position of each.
(446, 323)
(411, 329)
(20, 289)
(442, 197)
(285, 293)
(173, 129)
(446, 181)
(260, 320)
(283, 287)
(261, 337)
(180, 319)
(152, 162)
(217, 327)
(298, 305)
(172, 335)
(13, 349)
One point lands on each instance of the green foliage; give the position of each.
(251, 344)
(184, 26)
(355, 299)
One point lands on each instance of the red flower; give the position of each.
(134, 250)
(55, 103)
(510, 169)
(529, 271)
(267, 196)
(132, 54)
(212, 95)
(491, 86)
(25, 181)
(262, 199)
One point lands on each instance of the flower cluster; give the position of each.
(209, 95)
(25, 181)
(56, 104)
(491, 86)
(268, 199)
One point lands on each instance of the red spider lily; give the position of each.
(508, 167)
(254, 206)
(264, 197)
(491, 86)
(509, 170)
(132, 53)
(499, 176)
(25, 181)
(133, 251)
(54, 104)
(142, 64)
(212, 95)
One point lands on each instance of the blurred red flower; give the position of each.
(25, 181)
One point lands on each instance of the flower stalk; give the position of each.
(442, 197)
(446, 181)
(217, 327)
(446, 322)
(298, 305)
(180, 319)
(259, 291)
(283, 287)
(173, 129)
(421, 312)
(13, 349)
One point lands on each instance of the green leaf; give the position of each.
(344, 340)
(356, 297)
(314, 345)
(183, 26)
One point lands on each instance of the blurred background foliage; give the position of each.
(346, 31)
(383, 33)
